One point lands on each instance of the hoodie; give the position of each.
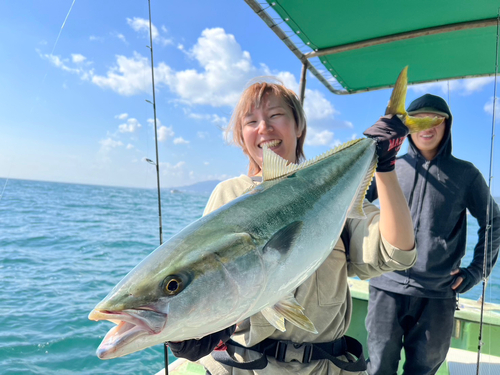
(439, 193)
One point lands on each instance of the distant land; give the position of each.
(200, 187)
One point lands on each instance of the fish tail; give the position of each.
(417, 124)
(397, 104)
(397, 101)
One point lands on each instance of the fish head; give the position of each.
(174, 294)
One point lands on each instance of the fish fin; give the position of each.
(417, 124)
(397, 104)
(356, 211)
(276, 320)
(275, 167)
(291, 310)
(397, 101)
(283, 239)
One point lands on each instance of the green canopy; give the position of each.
(362, 45)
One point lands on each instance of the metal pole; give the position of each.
(489, 208)
(302, 89)
(165, 346)
(156, 130)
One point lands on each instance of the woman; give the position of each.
(269, 113)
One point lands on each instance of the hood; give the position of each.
(438, 103)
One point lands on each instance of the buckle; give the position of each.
(288, 351)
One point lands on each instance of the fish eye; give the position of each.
(172, 285)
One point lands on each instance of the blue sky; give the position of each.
(73, 98)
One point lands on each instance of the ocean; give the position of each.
(63, 247)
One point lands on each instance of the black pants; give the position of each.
(422, 326)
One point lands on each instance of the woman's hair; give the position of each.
(253, 97)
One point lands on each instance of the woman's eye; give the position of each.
(250, 123)
(276, 114)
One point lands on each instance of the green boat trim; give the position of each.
(361, 46)
(461, 356)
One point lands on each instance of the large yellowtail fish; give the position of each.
(246, 257)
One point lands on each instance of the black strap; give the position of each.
(287, 351)
(344, 235)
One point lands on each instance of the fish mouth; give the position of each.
(130, 324)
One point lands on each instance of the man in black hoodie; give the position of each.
(414, 309)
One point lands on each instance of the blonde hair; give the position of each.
(252, 97)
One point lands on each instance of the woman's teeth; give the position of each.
(270, 143)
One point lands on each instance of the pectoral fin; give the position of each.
(291, 310)
(283, 239)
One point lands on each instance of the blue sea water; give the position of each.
(63, 247)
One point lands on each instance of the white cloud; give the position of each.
(225, 70)
(63, 64)
(77, 58)
(122, 38)
(206, 163)
(488, 107)
(164, 133)
(131, 76)
(130, 146)
(122, 116)
(180, 141)
(168, 169)
(202, 135)
(93, 38)
(220, 121)
(141, 25)
(335, 143)
(318, 138)
(476, 84)
(199, 116)
(316, 106)
(462, 86)
(108, 144)
(130, 127)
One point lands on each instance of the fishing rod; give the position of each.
(489, 208)
(157, 164)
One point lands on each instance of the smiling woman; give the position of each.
(269, 114)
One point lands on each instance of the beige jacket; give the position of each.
(325, 295)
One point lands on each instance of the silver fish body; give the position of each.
(241, 259)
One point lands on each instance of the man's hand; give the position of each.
(390, 133)
(464, 282)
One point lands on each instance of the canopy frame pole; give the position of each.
(303, 82)
(403, 36)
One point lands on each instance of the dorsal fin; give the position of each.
(356, 211)
(274, 166)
